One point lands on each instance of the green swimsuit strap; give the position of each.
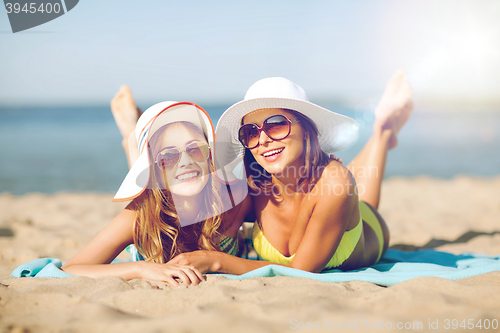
(228, 245)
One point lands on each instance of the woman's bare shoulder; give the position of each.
(336, 185)
(336, 194)
(337, 173)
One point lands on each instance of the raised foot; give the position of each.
(395, 107)
(125, 111)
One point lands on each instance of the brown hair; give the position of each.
(157, 231)
(315, 159)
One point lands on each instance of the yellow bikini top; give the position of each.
(346, 246)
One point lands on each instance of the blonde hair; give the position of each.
(157, 230)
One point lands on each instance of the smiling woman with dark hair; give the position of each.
(312, 213)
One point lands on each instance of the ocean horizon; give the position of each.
(78, 148)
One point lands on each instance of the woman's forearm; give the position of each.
(229, 264)
(127, 271)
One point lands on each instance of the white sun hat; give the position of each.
(155, 117)
(336, 131)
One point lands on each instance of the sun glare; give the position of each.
(461, 62)
(451, 49)
(475, 48)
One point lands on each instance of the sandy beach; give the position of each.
(457, 215)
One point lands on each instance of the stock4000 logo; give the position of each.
(28, 14)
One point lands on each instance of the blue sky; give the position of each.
(212, 51)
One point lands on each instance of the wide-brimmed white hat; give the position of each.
(336, 131)
(150, 121)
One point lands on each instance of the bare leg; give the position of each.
(391, 114)
(126, 114)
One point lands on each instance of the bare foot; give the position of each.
(394, 107)
(125, 111)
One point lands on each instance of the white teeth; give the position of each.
(187, 176)
(273, 152)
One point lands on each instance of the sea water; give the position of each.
(79, 148)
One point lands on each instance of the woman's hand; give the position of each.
(203, 261)
(169, 271)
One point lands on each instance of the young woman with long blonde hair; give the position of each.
(178, 202)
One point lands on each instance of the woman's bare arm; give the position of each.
(330, 218)
(95, 258)
(218, 262)
(92, 260)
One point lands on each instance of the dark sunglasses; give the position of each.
(168, 158)
(276, 127)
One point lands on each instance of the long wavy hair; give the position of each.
(157, 230)
(315, 160)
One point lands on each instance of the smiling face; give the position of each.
(187, 177)
(278, 156)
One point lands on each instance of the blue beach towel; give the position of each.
(45, 267)
(396, 266)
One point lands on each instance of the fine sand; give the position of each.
(457, 216)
